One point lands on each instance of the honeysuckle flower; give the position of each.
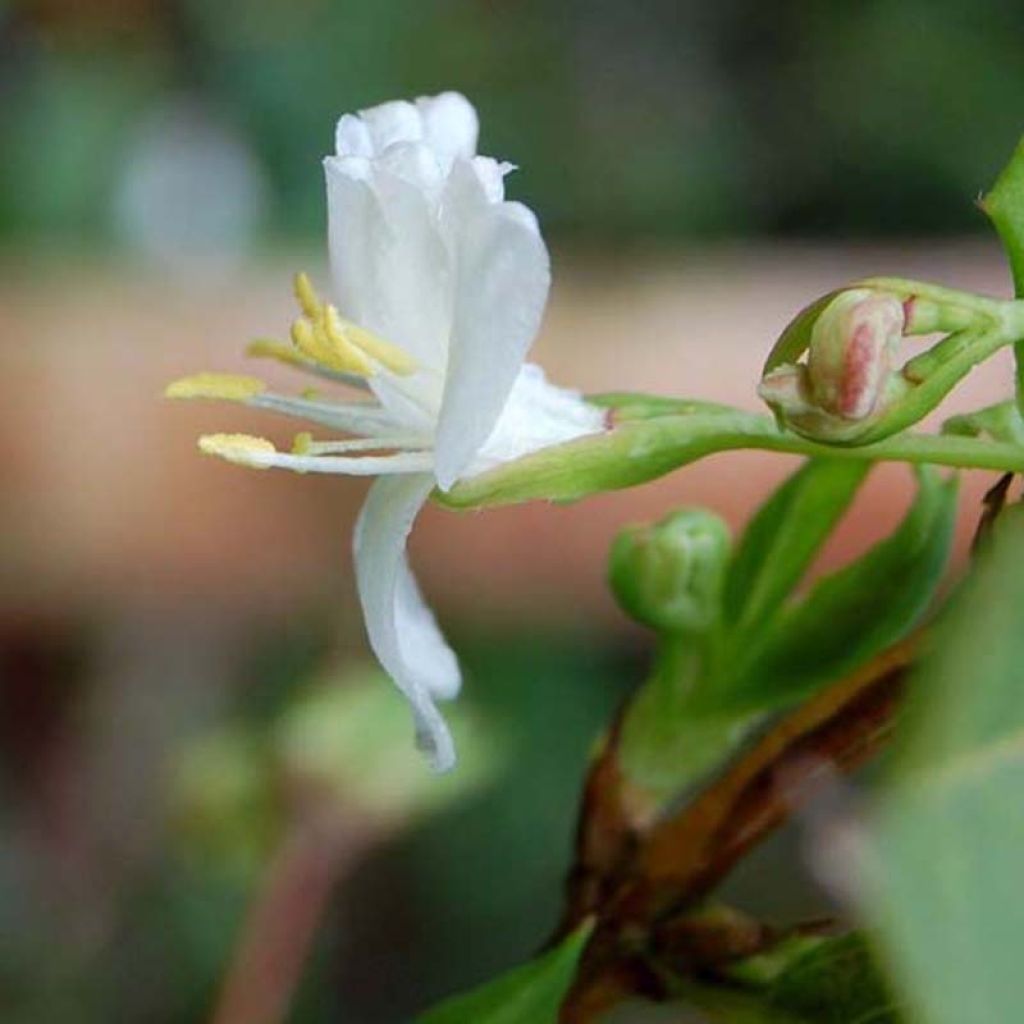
(440, 286)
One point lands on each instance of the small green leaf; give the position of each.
(1001, 422)
(784, 536)
(944, 863)
(852, 615)
(838, 982)
(530, 994)
(634, 405)
(1004, 205)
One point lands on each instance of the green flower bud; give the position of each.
(669, 576)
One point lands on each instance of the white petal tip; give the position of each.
(437, 744)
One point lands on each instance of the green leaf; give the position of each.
(1004, 205)
(635, 405)
(530, 994)
(944, 863)
(852, 615)
(1001, 422)
(784, 536)
(837, 982)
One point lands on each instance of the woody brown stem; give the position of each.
(680, 859)
(684, 856)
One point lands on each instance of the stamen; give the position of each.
(365, 418)
(242, 449)
(396, 359)
(303, 444)
(323, 336)
(233, 387)
(337, 344)
(306, 294)
(267, 348)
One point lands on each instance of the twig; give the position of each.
(281, 924)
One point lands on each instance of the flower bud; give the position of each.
(669, 576)
(851, 352)
(849, 379)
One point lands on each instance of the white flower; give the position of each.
(440, 287)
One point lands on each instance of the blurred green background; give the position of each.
(673, 118)
(169, 668)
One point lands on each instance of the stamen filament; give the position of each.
(305, 445)
(267, 348)
(396, 359)
(365, 418)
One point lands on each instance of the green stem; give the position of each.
(639, 450)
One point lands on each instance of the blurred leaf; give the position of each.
(355, 734)
(785, 535)
(225, 806)
(945, 863)
(853, 614)
(837, 982)
(531, 994)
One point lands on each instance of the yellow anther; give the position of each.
(310, 394)
(234, 387)
(309, 301)
(307, 340)
(266, 348)
(302, 443)
(312, 341)
(335, 338)
(396, 359)
(242, 449)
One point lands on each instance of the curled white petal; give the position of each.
(446, 123)
(502, 287)
(401, 630)
(450, 126)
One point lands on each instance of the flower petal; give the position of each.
(391, 274)
(401, 629)
(537, 414)
(501, 289)
(450, 126)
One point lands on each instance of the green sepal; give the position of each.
(796, 338)
(529, 994)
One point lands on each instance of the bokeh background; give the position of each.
(187, 707)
